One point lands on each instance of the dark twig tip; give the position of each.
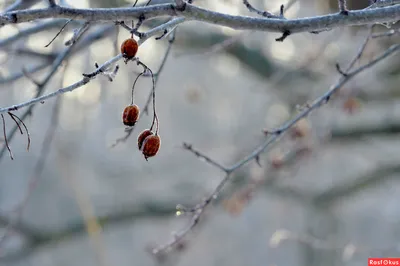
(162, 36)
(257, 159)
(285, 34)
(282, 11)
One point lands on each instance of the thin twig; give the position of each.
(15, 118)
(190, 148)
(5, 137)
(59, 32)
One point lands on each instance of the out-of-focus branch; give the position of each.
(40, 89)
(102, 32)
(37, 172)
(38, 239)
(21, 4)
(378, 175)
(32, 30)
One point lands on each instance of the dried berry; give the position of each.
(150, 147)
(129, 48)
(130, 115)
(143, 136)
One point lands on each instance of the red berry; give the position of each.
(151, 145)
(143, 136)
(129, 48)
(130, 115)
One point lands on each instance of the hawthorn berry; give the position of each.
(151, 145)
(143, 136)
(129, 48)
(130, 115)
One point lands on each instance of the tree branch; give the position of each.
(317, 23)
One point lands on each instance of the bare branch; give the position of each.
(191, 12)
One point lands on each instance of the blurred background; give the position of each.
(328, 196)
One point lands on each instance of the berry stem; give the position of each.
(134, 84)
(155, 118)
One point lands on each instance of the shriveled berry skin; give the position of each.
(130, 115)
(129, 48)
(151, 145)
(143, 136)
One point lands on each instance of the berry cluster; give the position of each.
(148, 141)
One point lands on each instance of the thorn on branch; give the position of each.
(272, 132)
(285, 34)
(257, 159)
